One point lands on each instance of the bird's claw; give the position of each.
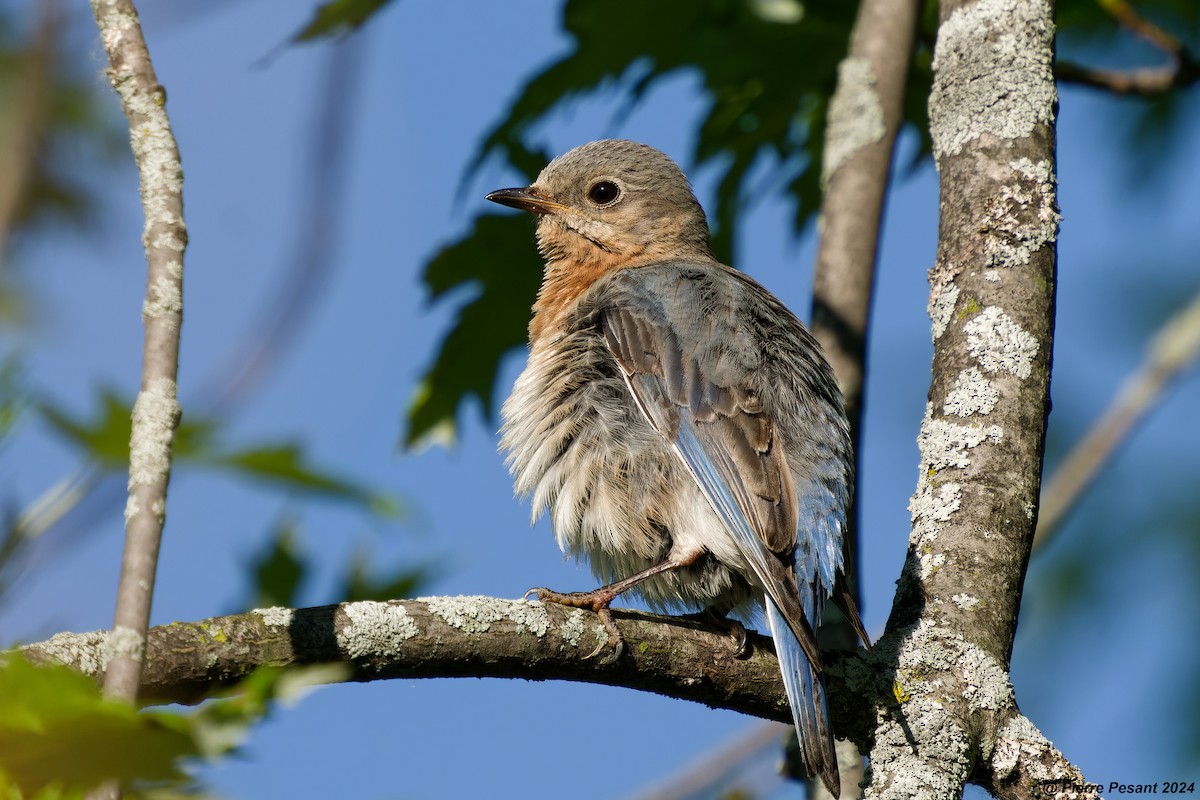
(615, 641)
(598, 602)
(735, 630)
(741, 638)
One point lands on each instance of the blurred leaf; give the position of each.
(105, 438)
(283, 566)
(56, 730)
(338, 17)
(222, 725)
(13, 396)
(498, 260)
(279, 569)
(52, 117)
(286, 467)
(362, 584)
(59, 735)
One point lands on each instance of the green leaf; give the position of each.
(59, 736)
(222, 725)
(105, 439)
(13, 396)
(280, 569)
(497, 260)
(362, 584)
(286, 467)
(339, 17)
(56, 730)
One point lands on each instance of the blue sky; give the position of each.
(1105, 684)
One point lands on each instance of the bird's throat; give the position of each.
(563, 283)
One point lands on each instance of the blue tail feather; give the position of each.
(806, 695)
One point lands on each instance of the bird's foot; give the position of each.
(598, 601)
(734, 629)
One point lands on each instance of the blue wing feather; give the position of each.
(716, 490)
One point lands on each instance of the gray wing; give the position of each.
(702, 398)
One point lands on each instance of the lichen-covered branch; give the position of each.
(865, 113)
(951, 628)
(156, 411)
(448, 637)
(490, 637)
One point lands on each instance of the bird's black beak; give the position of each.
(526, 200)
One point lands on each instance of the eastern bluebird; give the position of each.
(678, 422)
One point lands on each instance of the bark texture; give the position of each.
(156, 411)
(974, 510)
(488, 637)
(865, 114)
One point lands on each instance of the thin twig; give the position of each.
(1175, 348)
(713, 774)
(1181, 71)
(1122, 11)
(1145, 82)
(156, 411)
(865, 114)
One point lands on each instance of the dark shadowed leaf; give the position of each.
(286, 467)
(767, 70)
(50, 116)
(498, 260)
(279, 569)
(220, 726)
(363, 581)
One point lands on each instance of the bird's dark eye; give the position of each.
(604, 192)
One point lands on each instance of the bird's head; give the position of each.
(613, 202)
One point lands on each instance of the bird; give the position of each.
(679, 425)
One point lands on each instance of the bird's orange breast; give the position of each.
(562, 287)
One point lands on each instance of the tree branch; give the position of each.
(1182, 71)
(992, 305)
(156, 411)
(438, 637)
(865, 113)
(1145, 82)
(441, 637)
